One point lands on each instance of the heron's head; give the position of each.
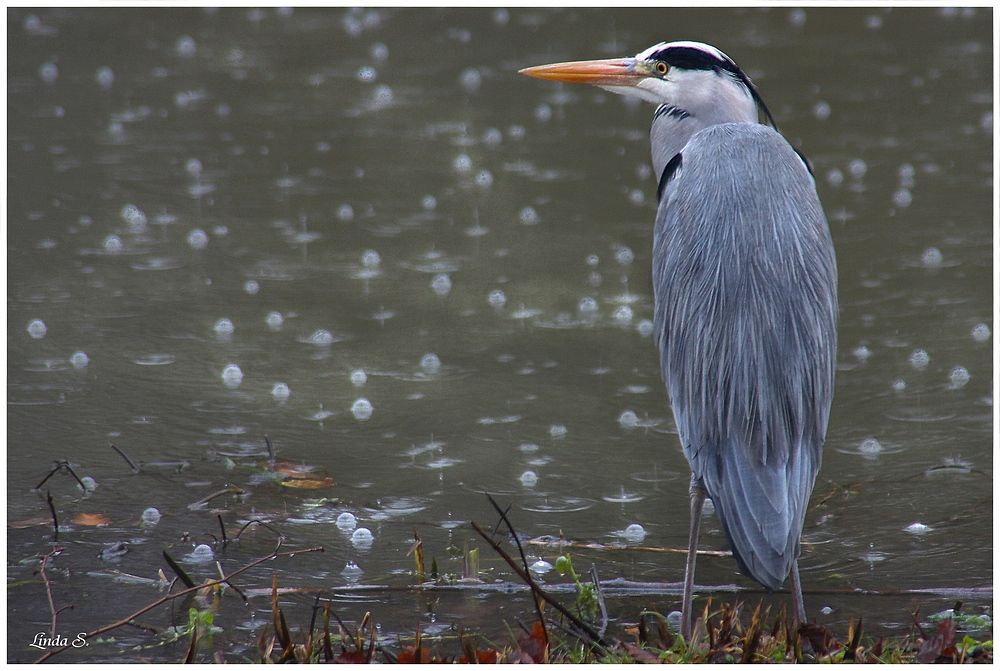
(690, 78)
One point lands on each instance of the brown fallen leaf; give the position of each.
(301, 483)
(91, 520)
(30, 522)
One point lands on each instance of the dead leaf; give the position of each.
(307, 484)
(91, 520)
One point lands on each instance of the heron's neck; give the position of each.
(709, 103)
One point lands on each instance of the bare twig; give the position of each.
(170, 597)
(600, 599)
(135, 467)
(231, 489)
(48, 589)
(55, 520)
(270, 450)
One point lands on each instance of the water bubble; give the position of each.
(48, 72)
(557, 431)
(919, 359)
(37, 328)
(359, 378)
(232, 376)
(645, 328)
(870, 447)
(516, 132)
(492, 137)
(370, 259)
(112, 244)
(79, 360)
(470, 80)
(429, 203)
(797, 17)
(382, 97)
(918, 528)
(857, 168)
(634, 533)
(628, 419)
(197, 239)
(902, 198)
(528, 216)
(379, 52)
(543, 112)
(105, 78)
(135, 218)
(980, 332)
(89, 483)
(906, 173)
(462, 163)
(362, 538)
(220, 231)
(587, 305)
(151, 516)
(366, 74)
(959, 377)
(834, 177)
(362, 409)
(345, 212)
(352, 572)
(821, 110)
(623, 315)
(430, 363)
(528, 447)
(441, 284)
(496, 299)
(861, 353)
(826, 610)
(274, 320)
(899, 385)
(540, 568)
(223, 327)
(674, 619)
(321, 337)
(636, 196)
(185, 46)
(624, 256)
(193, 167)
(201, 555)
(484, 178)
(529, 478)
(931, 257)
(347, 522)
(251, 287)
(501, 17)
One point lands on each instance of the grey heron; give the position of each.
(745, 288)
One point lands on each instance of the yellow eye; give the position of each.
(661, 68)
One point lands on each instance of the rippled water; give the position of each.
(426, 278)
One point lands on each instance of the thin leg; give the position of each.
(799, 604)
(697, 504)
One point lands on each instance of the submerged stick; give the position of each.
(135, 468)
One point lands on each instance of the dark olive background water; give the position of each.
(266, 154)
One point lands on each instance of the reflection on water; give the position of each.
(360, 233)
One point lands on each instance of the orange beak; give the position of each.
(609, 72)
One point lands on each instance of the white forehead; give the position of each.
(701, 46)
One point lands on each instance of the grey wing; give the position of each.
(746, 315)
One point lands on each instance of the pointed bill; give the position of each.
(609, 72)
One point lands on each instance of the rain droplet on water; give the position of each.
(151, 516)
(587, 305)
(470, 80)
(636, 196)
(345, 212)
(492, 137)
(543, 112)
(274, 320)
(185, 46)
(362, 409)
(193, 167)
(462, 163)
(135, 218)
(628, 419)
(634, 533)
(861, 353)
(918, 528)
(232, 376)
(321, 337)
(834, 177)
(359, 378)
(347, 522)
(37, 328)
(429, 203)
(645, 328)
(624, 256)
(197, 239)
(79, 360)
(251, 287)
(899, 385)
(529, 478)
(821, 110)
(223, 328)
(623, 315)
(870, 446)
(105, 78)
(496, 299)
(48, 72)
(528, 216)
(362, 538)
(958, 377)
(484, 178)
(370, 259)
(112, 244)
(441, 284)
(366, 74)
(902, 198)
(557, 431)
(919, 359)
(379, 52)
(430, 363)
(857, 168)
(980, 332)
(280, 391)
(931, 257)
(201, 555)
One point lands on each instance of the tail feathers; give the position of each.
(761, 508)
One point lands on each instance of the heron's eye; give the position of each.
(661, 68)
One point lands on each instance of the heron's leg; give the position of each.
(800, 605)
(698, 495)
